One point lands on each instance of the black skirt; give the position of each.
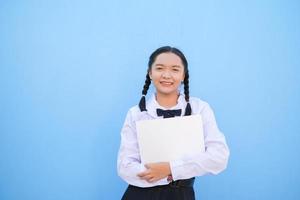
(178, 190)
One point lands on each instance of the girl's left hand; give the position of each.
(155, 171)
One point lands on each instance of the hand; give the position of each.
(155, 172)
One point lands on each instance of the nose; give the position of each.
(166, 74)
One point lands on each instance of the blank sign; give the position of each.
(164, 140)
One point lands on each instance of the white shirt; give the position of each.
(212, 161)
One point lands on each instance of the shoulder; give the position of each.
(134, 114)
(203, 108)
(198, 105)
(134, 110)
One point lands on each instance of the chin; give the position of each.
(167, 92)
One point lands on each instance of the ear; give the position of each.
(150, 74)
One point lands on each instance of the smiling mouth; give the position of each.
(166, 83)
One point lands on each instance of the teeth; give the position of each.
(166, 83)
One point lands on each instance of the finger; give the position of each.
(147, 165)
(144, 173)
(147, 177)
(152, 180)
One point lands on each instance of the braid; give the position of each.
(142, 103)
(188, 109)
(147, 84)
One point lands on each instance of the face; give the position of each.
(166, 73)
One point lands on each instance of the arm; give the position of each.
(129, 162)
(213, 160)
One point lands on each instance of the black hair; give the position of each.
(167, 49)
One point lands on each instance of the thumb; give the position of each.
(147, 166)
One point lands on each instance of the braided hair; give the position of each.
(167, 49)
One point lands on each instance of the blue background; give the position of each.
(70, 70)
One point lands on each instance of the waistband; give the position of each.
(183, 183)
(175, 184)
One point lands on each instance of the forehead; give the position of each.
(168, 59)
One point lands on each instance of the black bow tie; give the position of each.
(168, 113)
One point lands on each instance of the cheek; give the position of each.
(155, 76)
(180, 77)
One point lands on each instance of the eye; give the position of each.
(175, 70)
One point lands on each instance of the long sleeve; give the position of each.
(213, 160)
(129, 162)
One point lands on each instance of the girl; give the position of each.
(167, 70)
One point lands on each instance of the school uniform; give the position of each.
(212, 161)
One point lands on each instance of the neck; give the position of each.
(167, 100)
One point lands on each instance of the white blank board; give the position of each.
(164, 140)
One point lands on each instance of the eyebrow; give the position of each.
(174, 66)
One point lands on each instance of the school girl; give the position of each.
(167, 71)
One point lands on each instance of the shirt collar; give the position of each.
(152, 105)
